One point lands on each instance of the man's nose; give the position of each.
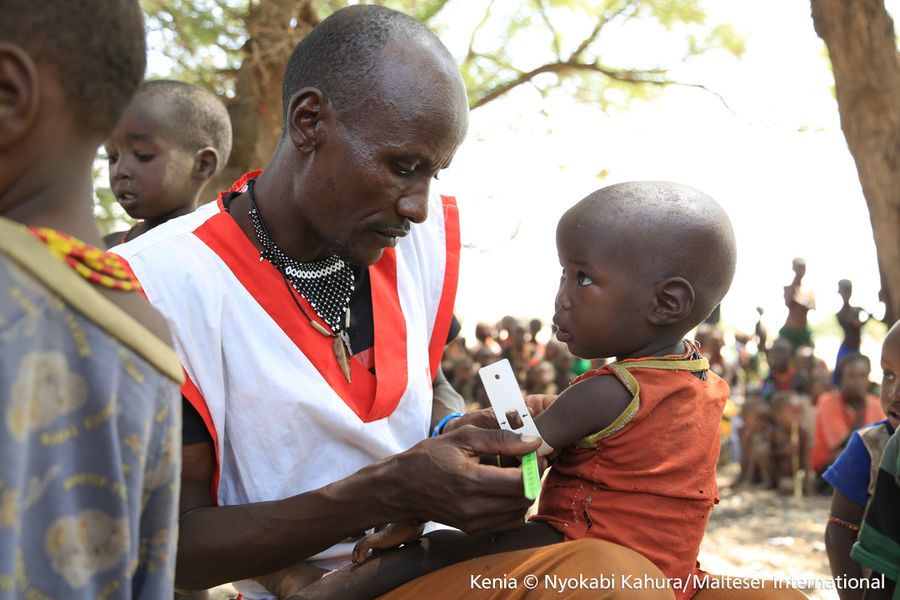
(414, 204)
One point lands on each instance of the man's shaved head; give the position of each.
(343, 55)
(662, 230)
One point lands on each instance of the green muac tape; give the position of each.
(530, 475)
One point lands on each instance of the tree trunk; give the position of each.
(273, 29)
(860, 38)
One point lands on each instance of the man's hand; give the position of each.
(441, 479)
(486, 419)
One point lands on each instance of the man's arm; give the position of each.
(438, 479)
(446, 400)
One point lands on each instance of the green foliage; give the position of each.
(542, 43)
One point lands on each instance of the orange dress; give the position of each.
(648, 481)
(834, 424)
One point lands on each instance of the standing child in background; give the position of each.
(851, 319)
(854, 473)
(638, 439)
(799, 302)
(171, 140)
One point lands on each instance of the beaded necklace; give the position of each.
(326, 284)
(96, 265)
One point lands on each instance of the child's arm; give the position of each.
(839, 538)
(386, 571)
(582, 409)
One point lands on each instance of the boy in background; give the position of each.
(172, 139)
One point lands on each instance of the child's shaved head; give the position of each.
(95, 47)
(662, 230)
(198, 117)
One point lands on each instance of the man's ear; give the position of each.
(206, 163)
(673, 301)
(18, 94)
(305, 119)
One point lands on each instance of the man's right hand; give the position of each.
(440, 479)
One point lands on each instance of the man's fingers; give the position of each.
(495, 441)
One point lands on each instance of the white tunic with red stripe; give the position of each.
(282, 416)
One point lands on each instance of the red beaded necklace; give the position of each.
(92, 263)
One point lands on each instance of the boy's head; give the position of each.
(853, 375)
(643, 264)
(171, 140)
(779, 355)
(890, 383)
(787, 408)
(845, 289)
(67, 70)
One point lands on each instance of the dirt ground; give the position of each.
(756, 533)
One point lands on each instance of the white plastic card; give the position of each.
(509, 406)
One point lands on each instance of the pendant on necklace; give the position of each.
(341, 347)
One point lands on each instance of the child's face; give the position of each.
(890, 384)
(599, 303)
(855, 379)
(150, 173)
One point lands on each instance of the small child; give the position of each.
(169, 143)
(853, 472)
(638, 439)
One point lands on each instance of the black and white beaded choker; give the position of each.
(326, 284)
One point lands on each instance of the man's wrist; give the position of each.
(443, 424)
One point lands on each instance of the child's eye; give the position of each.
(111, 158)
(584, 280)
(889, 375)
(144, 157)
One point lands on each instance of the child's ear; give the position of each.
(18, 94)
(673, 301)
(305, 119)
(206, 163)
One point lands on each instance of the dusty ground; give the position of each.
(756, 533)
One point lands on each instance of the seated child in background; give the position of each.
(853, 474)
(790, 442)
(781, 370)
(638, 439)
(755, 436)
(170, 141)
(841, 412)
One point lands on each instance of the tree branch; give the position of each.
(555, 34)
(470, 54)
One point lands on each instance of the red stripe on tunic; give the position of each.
(448, 291)
(369, 397)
